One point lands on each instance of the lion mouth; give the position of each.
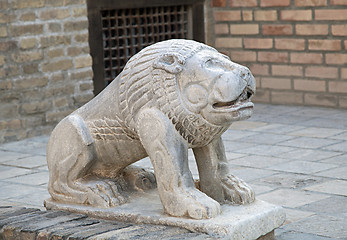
(238, 103)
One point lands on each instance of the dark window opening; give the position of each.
(120, 29)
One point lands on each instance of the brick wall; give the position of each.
(297, 49)
(45, 66)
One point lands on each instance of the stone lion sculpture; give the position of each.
(171, 96)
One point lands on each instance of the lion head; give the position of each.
(200, 90)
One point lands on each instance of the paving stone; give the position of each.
(342, 136)
(266, 138)
(258, 161)
(259, 189)
(10, 156)
(293, 215)
(331, 206)
(316, 112)
(243, 125)
(37, 178)
(28, 162)
(290, 180)
(35, 199)
(338, 187)
(265, 150)
(292, 235)
(326, 123)
(231, 146)
(308, 142)
(234, 134)
(9, 190)
(340, 173)
(9, 172)
(317, 132)
(250, 174)
(321, 225)
(278, 128)
(340, 159)
(287, 119)
(291, 198)
(340, 147)
(309, 154)
(302, 167)
(26, 146)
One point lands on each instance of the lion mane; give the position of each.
(144, 84)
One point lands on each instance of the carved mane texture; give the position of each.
(143, 85)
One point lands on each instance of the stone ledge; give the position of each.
(236, 222)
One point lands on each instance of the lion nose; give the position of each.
(246, 75)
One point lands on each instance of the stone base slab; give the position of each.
(236, 222)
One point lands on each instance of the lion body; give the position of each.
(103, 137)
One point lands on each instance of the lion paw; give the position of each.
(139, 179)
(236, 191)
(193, 204)
(105, 193)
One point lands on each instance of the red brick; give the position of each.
(320, 99)
(311, 3)
(306, 58)
(285, 70)
(244, 29)
(243, 56)
(243, 3)
(286, 97)
(272, 29)
(221, 29)
(336, 58)
(290, 44)
(344, 73)
(331, 14)
(321, 72)
(218, 3)
(228, 42)
(309, 85)
(311, 29)
(296, 15)
(227, 15)
(265, 15)
(337, 86)
(262, 96)
(274, 3)
(338, 2)
(339, 30)
(259, 69)
(325, 45)
(247, 15)
(342, 102)
(276, 83)
(257, 43)
(280, 57)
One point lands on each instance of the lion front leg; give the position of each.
(215, 178)
(169, 155)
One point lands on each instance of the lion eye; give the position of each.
(213, 64)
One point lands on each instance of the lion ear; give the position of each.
(170, 62)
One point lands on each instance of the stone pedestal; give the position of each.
(236, 222)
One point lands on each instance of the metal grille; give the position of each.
(127, 31)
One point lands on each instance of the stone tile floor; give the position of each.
(295, 157)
